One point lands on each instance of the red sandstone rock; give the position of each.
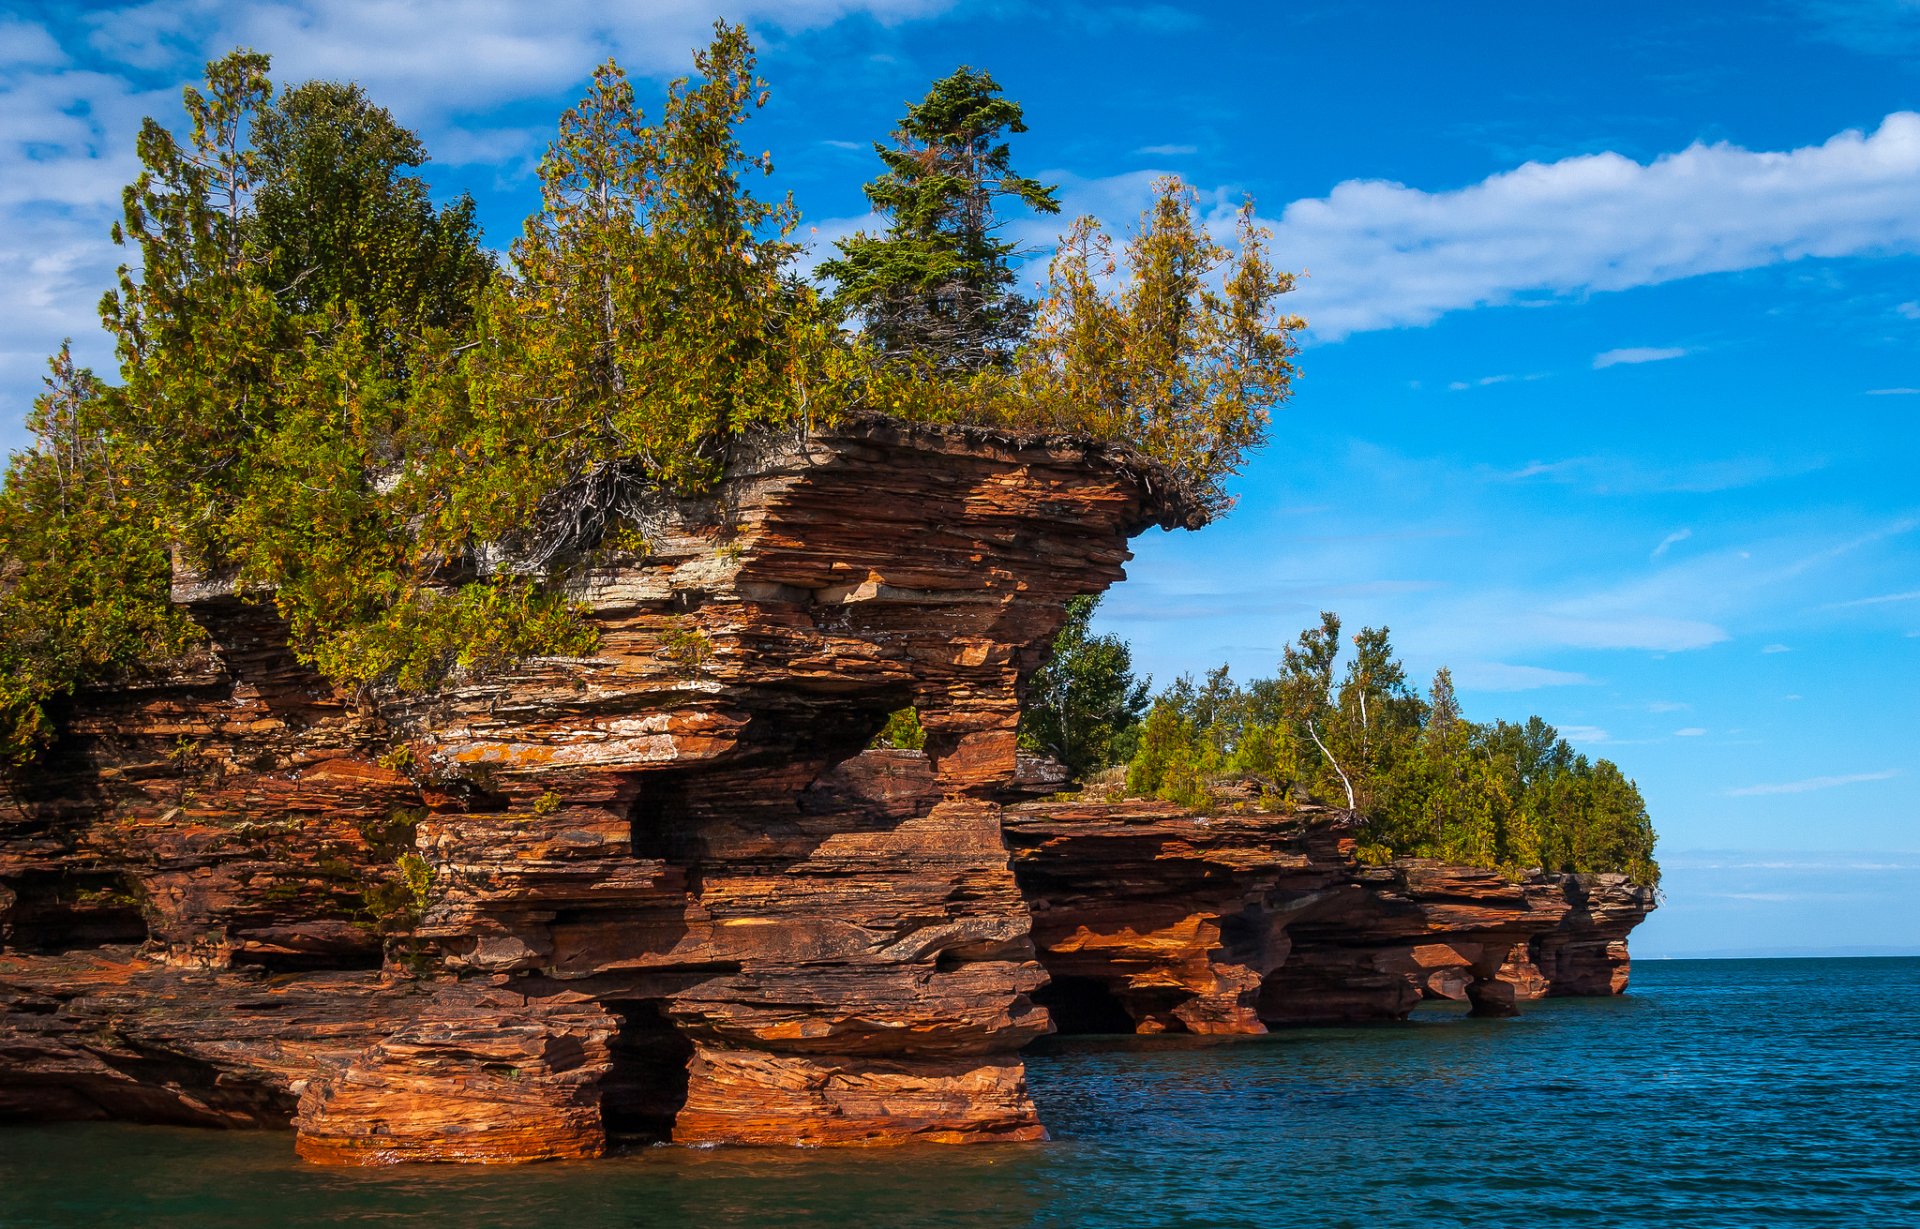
(1151, 918)
(661, 896)
(663, 893)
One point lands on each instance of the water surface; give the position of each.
(1739, 1092)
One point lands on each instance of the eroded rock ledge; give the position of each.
(660, 892)
(1153, 919)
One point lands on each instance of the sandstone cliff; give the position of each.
(659, 892)
(1151, 918)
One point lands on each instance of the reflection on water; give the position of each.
(1718, 1093)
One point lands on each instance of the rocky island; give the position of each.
(451, 709)
(665, 891)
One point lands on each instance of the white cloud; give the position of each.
(1667, 706)
(1637, 354)
(1893, 392)
(1776, 648)
(438, 57)
(1884, 599)
(1811, 783)
(1670, 541)
(1909, 309)
(1384, 254)
(1168, 151)
(1692, 731)
(1584, 734)
(1500, 676)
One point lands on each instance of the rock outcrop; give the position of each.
(641, 891)
(660, 892)
(1153, 919)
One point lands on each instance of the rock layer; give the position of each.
(648, 891)
(1153, 919)
(660, 892)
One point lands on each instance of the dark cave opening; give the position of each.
(1083, 1005)
(646, 1084)
(59, 911)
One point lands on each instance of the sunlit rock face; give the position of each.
(1153, 919)
(662, 892)
(655, 892)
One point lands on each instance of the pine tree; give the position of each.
(1185, 360)
(337, 220)
(936, 288)
(1083, 706)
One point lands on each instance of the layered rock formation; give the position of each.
(1152, 919)
(641, 891)
(659, 892)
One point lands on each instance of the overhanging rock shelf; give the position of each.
(660, 892)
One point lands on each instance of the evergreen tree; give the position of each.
(937, 287)
(1083, 706)
(337, 220)
(84, 576)
(1426, 781)
(1185, 359)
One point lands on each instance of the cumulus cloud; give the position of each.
(1385, 254)
(433, 57)
(1633, 355)
(1811, 784)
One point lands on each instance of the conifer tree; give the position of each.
(937, 287)
(338, 220)
(1083, 706)
(1186, 359)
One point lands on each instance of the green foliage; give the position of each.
(1159, 358)
(687, 648)
(1426, 781)
(84, 572)
(1083, 706)
(902, 731)
(937, 287)
(328, 395)
(337, 221)
(398, 901)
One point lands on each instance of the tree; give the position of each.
(198, 338)
(1186, 372)
(1307, 684)
(646, 322)
(1083, 706)
(337, 221)
(1443, 707)
(1426, 781)
(937, 287)
(84, 576)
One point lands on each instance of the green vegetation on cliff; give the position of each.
(329, 393)
(1426, 781)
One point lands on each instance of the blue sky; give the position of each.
(1610, 397)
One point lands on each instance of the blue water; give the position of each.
(1749, 1093)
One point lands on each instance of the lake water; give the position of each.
(1739, 1092)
